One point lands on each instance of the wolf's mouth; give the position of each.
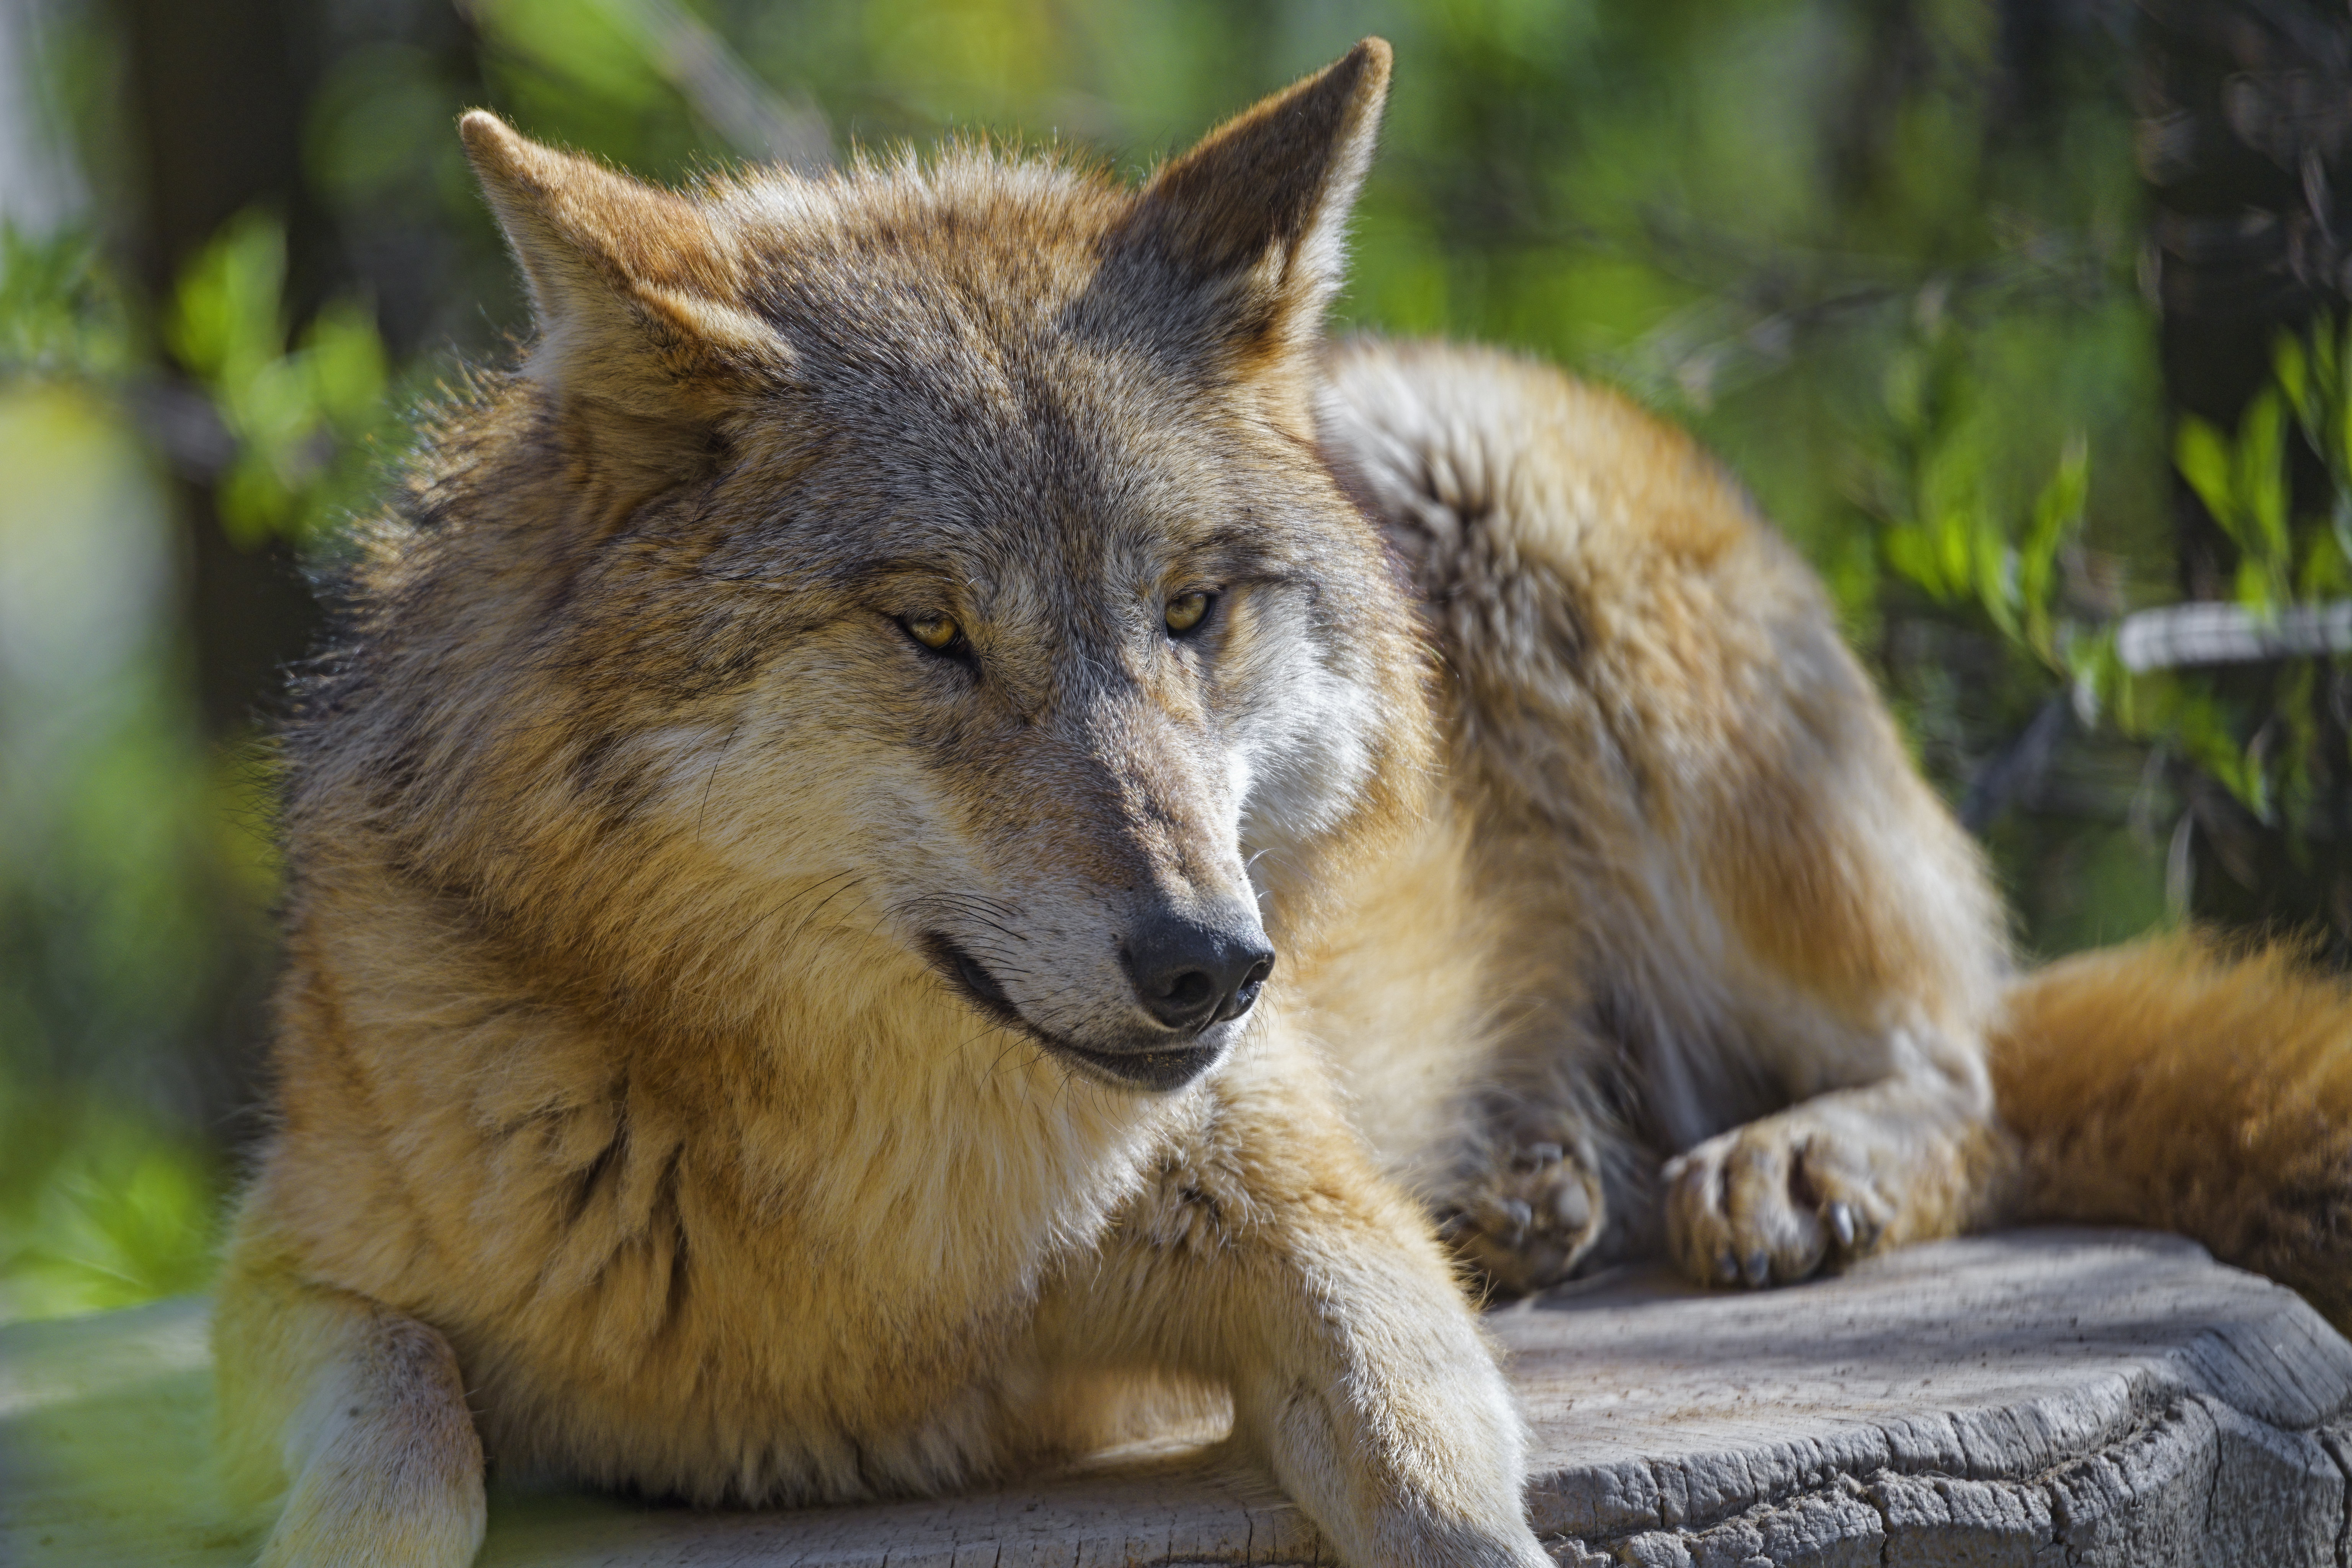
(1169, 1068)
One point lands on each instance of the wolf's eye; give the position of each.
(1185, 612)
(935, 631)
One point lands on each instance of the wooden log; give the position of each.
(2081, 1398)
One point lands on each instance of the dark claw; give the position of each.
(1759, 1269)
(1727, 1267)
(1840, 1218)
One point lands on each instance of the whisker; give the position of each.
(713, 778)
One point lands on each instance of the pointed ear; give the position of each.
(1256, 215)
(633, 289)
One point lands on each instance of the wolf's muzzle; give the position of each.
(1160, 1065)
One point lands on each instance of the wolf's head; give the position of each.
(928, 561)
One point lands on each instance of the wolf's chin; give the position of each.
(1160, 1071)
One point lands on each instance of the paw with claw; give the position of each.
(1526, 1222)
(1774, 1201)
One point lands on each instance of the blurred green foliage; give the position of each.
(62, 315)
(108, 924)
(300, 420)
(1937, 533)
(100, 1206)
(1881, 254)
(2287, 562)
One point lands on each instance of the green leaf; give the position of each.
(2262, 481)
(2291, 369)
(2336, 357)
(1994, 567)
(276, 408)
(1955, 552)
(2057, 516)
(2325, 573)
(2324, 369)
(226, 321)
(2256, 588)
(2202, 455)
(345, 358)
(1911, 555)
(2206, 739)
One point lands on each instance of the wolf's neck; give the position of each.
(868, 1126)
(941, 1150)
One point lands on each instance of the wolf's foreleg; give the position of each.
(1360, 1378)
(1273, 1260)
(352, 1413)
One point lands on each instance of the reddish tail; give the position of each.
(2173, 1085)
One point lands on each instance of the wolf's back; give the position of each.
(2176, 1085)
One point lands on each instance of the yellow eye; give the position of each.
(1184, 612)
(934, 631)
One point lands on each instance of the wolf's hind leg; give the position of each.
(1693, 804)
(353, 1413)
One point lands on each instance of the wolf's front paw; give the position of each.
(1770, 1203)
(386, 1495)
(1512, 1545)
(1525, 1225)
(356, 1521)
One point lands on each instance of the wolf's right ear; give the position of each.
(633, 288)
(1252, 222)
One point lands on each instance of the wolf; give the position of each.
(938, 832)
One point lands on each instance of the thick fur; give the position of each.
(1726, 887)
(715, 1057)
(2178, 1084)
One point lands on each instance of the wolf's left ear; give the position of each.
(1256, 215)
(633, 288)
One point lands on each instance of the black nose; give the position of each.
(1191, 975)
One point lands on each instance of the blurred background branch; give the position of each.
(2023, 318)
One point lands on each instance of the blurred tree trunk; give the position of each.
(2245, 111)
(216, 89)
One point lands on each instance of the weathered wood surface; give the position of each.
(2042, 1397)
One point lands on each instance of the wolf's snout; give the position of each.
(1189, 975)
